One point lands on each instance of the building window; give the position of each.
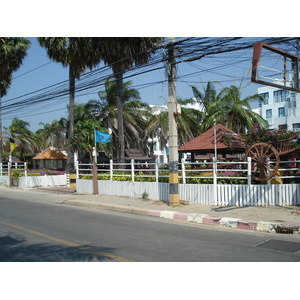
(269, 116)
(296, 127)
(283, 126)
(293, 96)
(281, 96)
(281, 112)
(266, 98)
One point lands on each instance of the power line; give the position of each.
(32, 70)
(187, 50)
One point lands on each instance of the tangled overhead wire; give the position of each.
(187, 50)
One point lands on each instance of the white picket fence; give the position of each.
(42, 181)
(225, 194)
(207, 194)
(29, 181)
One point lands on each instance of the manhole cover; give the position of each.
(280, 245)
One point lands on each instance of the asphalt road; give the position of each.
(33, 229)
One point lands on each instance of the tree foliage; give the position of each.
(76, 53)
(228, 108)
(135, 114)
(20, 134)
(121, 53)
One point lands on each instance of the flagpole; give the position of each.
(10, 167)
(95, 158)
(95, 175)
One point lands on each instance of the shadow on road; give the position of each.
(14, 248)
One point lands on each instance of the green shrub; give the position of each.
(34, 174)
(122, 178)
(145, 196)
(15, 174)
(87, 177)
(140, 176)
(194, 177)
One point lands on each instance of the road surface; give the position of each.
(33, 229)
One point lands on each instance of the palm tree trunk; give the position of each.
(121, 148)
(70, 160)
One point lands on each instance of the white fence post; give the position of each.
(1, 166)
(214, 160)
(156, 170)
(111, 167)
(77, 169)
(249, 170)
(183, 170)
(25, 173)
(132, 170)
(9, 173)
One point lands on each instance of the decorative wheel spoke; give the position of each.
(253, 155)
(262, 155)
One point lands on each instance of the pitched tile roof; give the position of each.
(205, 141)
(50, 153)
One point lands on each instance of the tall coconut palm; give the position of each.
(12, 52)
(121, 53)
(77, 54)
(135, 113)
(234, 112)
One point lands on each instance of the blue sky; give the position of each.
(191, 18)
(39, 72)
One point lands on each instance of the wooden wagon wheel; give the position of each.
(265, 161)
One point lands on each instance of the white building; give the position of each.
(160, 152)
(281, 108)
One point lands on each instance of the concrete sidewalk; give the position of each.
(273, 219)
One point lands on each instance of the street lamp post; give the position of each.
(151, 142)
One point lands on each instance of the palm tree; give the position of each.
(227, 108)
(207, 101)
(188, 123)
(85, 124)
(135, 113)
(51, 134)
(12, 52)
(121, 53)
(233, 112)
(207, 98)
(20, 133)
(77, 54)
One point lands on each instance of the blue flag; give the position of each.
(102, 137)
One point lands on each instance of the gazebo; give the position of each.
(50, 159)
(228, 144)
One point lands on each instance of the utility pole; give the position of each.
(173, 136)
